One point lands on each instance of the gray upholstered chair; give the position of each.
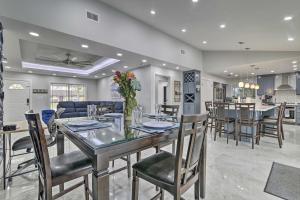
(173, 173)
(59, 169)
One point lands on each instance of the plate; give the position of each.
(83, 123)
(113, 115)
(158, 125)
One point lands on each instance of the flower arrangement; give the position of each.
(128, 85)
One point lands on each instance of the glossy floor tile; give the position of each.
(235, 173)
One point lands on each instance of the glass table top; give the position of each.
(117, 133)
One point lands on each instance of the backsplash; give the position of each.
(288, 96)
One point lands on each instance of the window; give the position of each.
(66, 92)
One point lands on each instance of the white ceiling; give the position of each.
(20, 46)
(258, 23)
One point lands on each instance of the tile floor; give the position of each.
(235, 173)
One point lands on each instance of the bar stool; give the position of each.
(281, 121)
(274, 126)
(222, 119)
(211, 114)
(245, 113)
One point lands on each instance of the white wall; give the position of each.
(114, 28)
(207, 87)
(42, 101)
(146, 75)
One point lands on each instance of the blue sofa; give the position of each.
(79, 109)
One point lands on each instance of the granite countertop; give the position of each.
(258, 107)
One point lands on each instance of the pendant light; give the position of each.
(241, 84)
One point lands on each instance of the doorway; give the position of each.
(16, 100)
(162, 89)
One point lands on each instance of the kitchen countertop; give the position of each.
(258, 107)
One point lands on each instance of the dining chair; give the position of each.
(57, 170)
(223, 119)
(245, 113)
(105, 108)
(209, 106)
(170, 110)
(273, 128)
(171, 172)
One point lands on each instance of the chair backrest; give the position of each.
(281, 112)
(208, 105)
(37, 135)
(221, 110)
(104, 109)
(245, 112)
(171, 110)
(194, 126)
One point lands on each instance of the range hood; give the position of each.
(285, 83)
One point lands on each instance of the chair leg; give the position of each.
(173, 147)
(113, 163)
(86, 187)
(252, 132)
(216, 129)
(211, 125)
(162, 194)
(197, 190)
(41, 190)
(279, 137)
(129, 166)
(47, 193)
(135, 187)
(138, 156)
(237, 134)
(282, 133)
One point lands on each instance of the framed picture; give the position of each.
(177, 91)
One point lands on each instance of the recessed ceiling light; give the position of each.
(53, 74)
(295, 69)
(252, 73)
(236, 75)
(103, 74)
(113, 71)
(294, 62)
(144, 61)
(74, 76)
(153, 12)
(85, 46)
(164, 64)
(119, 54)
(204, 42)
(231, 73)
(287, 18)
(4, 61)
(34, 34)
(96, 76)
(125, 67)
(295, 65)
(225, 71)
(223, 26)
(291, 39)
(183, 30)
(7, 67)
(195, 1)
(177, 67)
(30, 72)
(272, 71)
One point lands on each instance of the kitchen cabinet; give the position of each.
(266, 85)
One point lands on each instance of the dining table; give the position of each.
(112, 141)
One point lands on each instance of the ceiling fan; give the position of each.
(70, 60)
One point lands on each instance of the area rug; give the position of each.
(284, 182)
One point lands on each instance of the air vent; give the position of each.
(92, 16)
(182, 51)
